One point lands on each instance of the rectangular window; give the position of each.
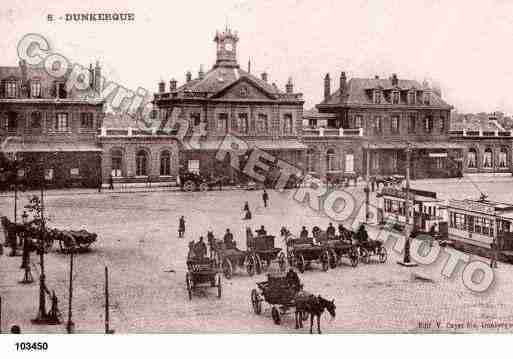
(262, 123)
(378, 125)
(288, 125)
(412, 97)
(86, 121)
(35, 120)
(243, 122)
(195, 118)
(377, 96)
(358, 121)
(194, 166)
(375, 160)
(222, 122)
(61, 122)
(312, 122)
(10, 89)
(428, 124)
(35, 89)
(412, 121)
(394, 124)
(395, 97)
(442, 124)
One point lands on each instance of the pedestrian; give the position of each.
(111, 182)
(246, 206)
(181, 227)
(265, 198)
(373, 184)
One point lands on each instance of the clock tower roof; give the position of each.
(226, 48)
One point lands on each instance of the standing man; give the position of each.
(265, 198)
(111, 182)
(181, 227)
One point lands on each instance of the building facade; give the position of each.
(50, 127)
(381, 119)
(228, 101)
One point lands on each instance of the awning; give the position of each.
(239, 144)
(19, 147)
(402, 145)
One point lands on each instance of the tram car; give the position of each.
(427, 212)
(482, 227)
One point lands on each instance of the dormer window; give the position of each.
(10, 89)
(395, 97)
(376, 96)
(426, 98)
(412, 97)
(60, 90)
(35, 89)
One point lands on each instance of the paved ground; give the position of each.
(146, 260)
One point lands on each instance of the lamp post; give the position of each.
(406, 259)
(367, 186)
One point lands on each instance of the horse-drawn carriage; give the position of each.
(228, 257)
(202, 271)
(264, 251)
(282, 295)
(68, 240)
(338, 246)
(302, 251)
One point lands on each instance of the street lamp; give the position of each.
(406, 259)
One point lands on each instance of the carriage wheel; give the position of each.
(255, 302)
(203, 187)
(333, 258)
(250, 265)
(365, 255)
(219, 287)
(188, 282)
(189, 186)
(382, 254)
(353, 256)
(301, 264)
(275, 314)
(325, 260)
(282, 262)
(258, 264)
(227, 268)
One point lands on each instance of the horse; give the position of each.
(313, 305)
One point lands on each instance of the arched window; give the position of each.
(472, 158)
(165, 163)
(503, 158)
(331, 160)
(488, 158)
(141, 163)
(310, 160)
(116, 157)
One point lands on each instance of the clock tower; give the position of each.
(226, 48)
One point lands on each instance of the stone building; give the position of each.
(381, 118)
(49, 127)
(226, 100)
(132, 153)
(488, 146)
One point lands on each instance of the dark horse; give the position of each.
(313, 305)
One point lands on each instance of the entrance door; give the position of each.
(349, 163)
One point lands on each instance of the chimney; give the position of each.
(249, 66)
(23, 68)
(343, 80)
(264, 76)
(395, 80)
(289, 87)
(172, 85)
(97, 77)
(201, 74)
(327, 86)
(162, 86)
(188, 76)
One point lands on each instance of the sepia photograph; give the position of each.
(255, 167)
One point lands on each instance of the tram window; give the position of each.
(459, 221)
(479, 225)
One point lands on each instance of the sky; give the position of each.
(460, 45)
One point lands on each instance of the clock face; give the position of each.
(228, 47)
